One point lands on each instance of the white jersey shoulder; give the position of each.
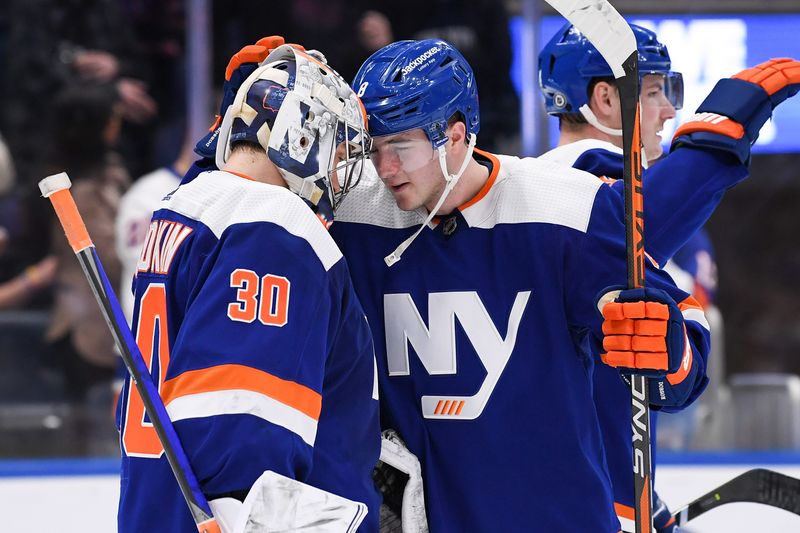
(531, 190)
(567, 154)
(370, 202)
(220, 200)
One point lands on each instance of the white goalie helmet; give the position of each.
(308, 120)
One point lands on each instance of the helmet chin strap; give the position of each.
(590, 117)
(450, 182)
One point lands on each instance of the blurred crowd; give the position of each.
(97, 88)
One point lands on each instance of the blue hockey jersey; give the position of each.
(246, 315)
(479, 332)
(680, 192)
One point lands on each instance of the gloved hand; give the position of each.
(407, 500)
(732, 115)
(644, 333)
(663, 522)
(240, 66)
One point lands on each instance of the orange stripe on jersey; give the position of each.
(241, 175)
(689, 303)
(701, 295)
(624, 511)
(233, 377)
(489, 182)
(486, 186)
(711, 122)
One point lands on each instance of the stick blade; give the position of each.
(758, 485)
(603, 26)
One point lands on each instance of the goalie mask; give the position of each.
(308, 120)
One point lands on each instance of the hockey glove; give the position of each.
(663, 521)
(398, 475)
(644, 333)
(732, 115)
(241, 65)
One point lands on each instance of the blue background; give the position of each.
(766, 36)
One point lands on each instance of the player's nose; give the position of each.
(386, 165)
(668, 111)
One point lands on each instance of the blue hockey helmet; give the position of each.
(417, 84)
(309, 122)
(569, 63)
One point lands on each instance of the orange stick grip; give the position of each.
(209, 526)
(71, 220)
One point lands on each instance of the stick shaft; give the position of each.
(635, 259)
(607, 30)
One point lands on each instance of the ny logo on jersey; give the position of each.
(436, 345)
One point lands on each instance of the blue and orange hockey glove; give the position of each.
(644, 333)
(663, 521)
(240, 66)
(731, 116)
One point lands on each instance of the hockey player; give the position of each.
(246, 313)
(133, 217)
(483, 313)
(681, 190)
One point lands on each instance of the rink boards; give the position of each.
(81, 495)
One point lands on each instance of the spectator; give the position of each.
(18, 290)
(88, 120)
(133, 218)
(479, 29)
(56, 44)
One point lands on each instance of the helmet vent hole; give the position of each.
(398, 76)
(322, 70)
(447, 61)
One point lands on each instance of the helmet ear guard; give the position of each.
(299, 111)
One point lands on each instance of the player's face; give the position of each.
(656, 110)
(409, 167)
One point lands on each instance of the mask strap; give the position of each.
(590, 117)
(451, 180)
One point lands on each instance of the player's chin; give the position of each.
(405, 201)
(654, 149)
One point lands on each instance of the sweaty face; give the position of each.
(656, 110)
(409, 167)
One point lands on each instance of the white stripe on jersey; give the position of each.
(696, 315)
(244, 402)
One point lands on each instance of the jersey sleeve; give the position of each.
(245, 378)
(681, 191)
(599, 266)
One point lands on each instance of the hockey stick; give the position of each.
(56, 188)
(758, 485)
(605, 28)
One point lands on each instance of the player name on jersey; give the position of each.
(164, 237)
